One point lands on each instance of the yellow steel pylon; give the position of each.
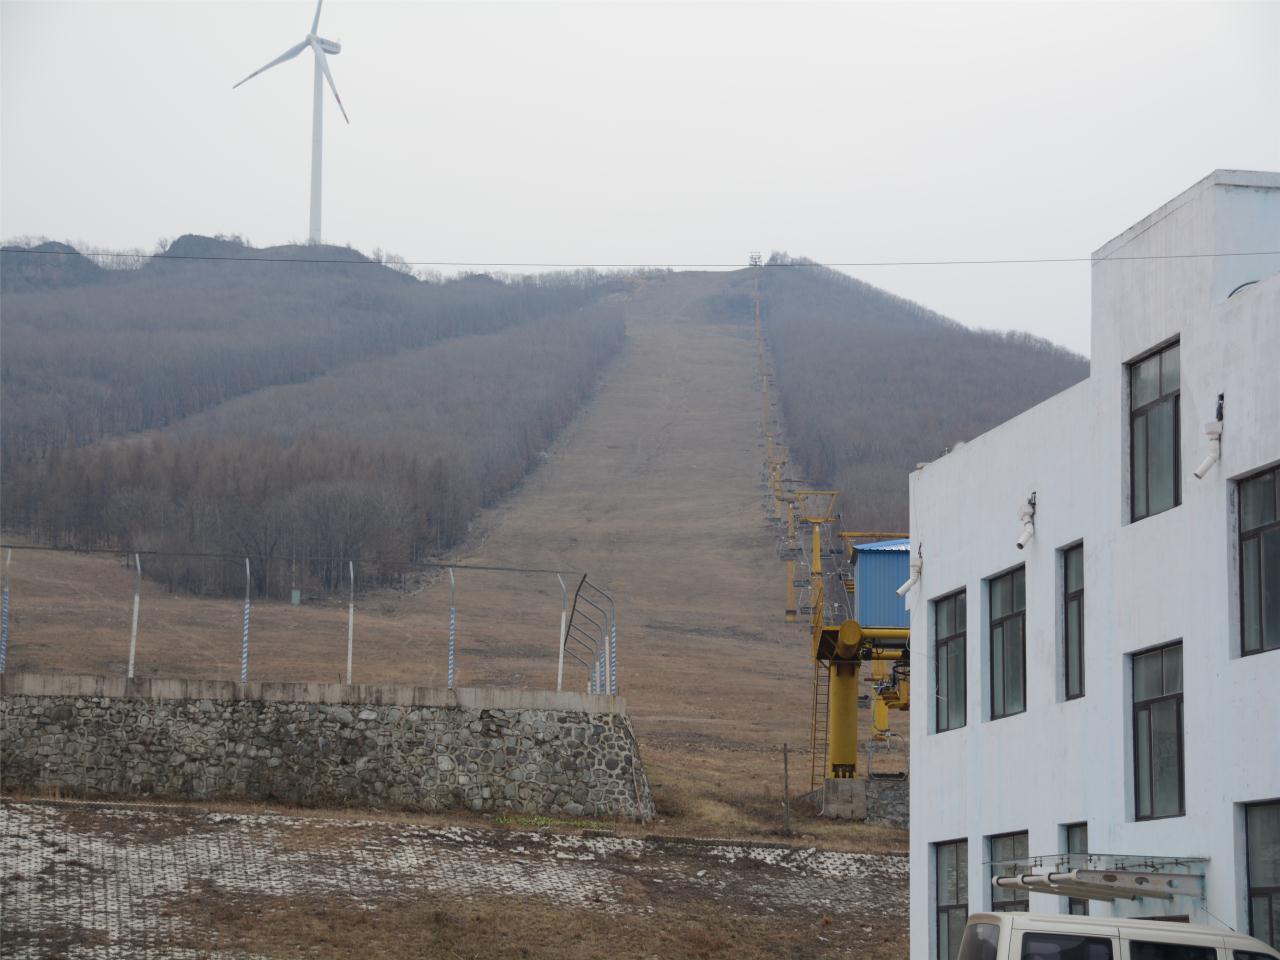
(838, 649)
(842, 648)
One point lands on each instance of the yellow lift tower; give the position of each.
(764, 402)
(814, 507)
(791, 550)
(839, 651)
(777, 492)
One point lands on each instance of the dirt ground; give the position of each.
(655, 490)
(95, 881)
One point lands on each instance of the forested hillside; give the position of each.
(91, 353)
(870, 384)
(300, 414)
(226, 400)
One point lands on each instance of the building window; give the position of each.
(1260, 562)
(1157, 732)
(1077, 849)
(948, 661)
(1008, 859)
(1008, 597)
(1154, 420)
(1073, 620)
(1262, 855)
(951, 889)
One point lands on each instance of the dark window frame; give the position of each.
(1144, 706)
(1019, 614)
(942, 912)
(1135, 412)
(1018, 901)
(1076, 906)
(941, 646)
(1068, 597)
(1272, 893)
(1246, 536)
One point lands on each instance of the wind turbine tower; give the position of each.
(321, 48)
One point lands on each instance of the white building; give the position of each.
(1162, 737)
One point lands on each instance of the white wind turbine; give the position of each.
(321, 48)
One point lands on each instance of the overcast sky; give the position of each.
(647, 132)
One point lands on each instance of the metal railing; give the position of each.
(586, 641)
(591, 637)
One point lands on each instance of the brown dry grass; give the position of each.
(654, 490)
(676, 929)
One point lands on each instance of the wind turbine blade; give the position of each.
(315, 24)
(287, 55)
(324, 65)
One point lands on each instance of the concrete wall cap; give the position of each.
(27, 683)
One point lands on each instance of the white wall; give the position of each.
(1166, 577)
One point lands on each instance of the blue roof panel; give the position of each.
(881, 569)
(900, 544)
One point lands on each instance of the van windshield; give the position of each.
(1064, 946)
(980, 940)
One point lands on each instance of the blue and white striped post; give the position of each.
(4, 615)
(137, 602)
(351, 618)
(453, 627)
(613, 656)
(244, 642)
(564, 632)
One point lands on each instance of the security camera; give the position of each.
(1028, 531)
(917, 566)
(1213, 430)
(1027, 517)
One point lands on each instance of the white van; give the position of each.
(1048, 936)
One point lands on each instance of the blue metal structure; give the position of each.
(880, 569)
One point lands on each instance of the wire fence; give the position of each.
(471, 624)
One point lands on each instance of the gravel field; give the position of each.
(98, 881)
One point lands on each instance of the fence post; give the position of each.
(453, 626)
(244, 642)
(613, 654)
(137, 600)
(564, 632)
(609, 656)
(4, 615)
(351, 616)
(786, 793)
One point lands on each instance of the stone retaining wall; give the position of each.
(414, 748)
(882, 799)
(889, 800)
